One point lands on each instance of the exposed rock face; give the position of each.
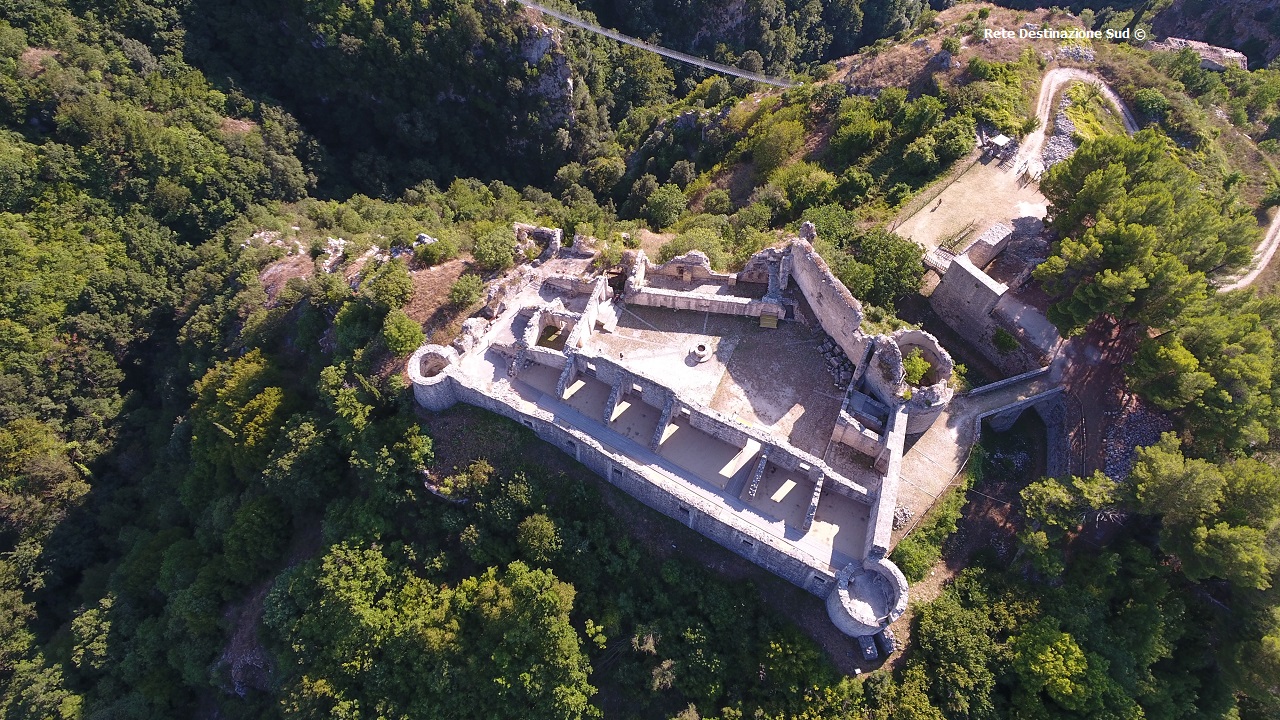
(1250, 26)
(541, 49)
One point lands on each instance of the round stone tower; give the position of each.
(931, 396)
(867, 597)
(429, 371)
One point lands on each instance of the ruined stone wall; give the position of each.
(966, 300)
(965, 296)
(929, 400)
(545, 356)
(838, 311)
(885, 377)
(849, 431)
(719, 304)
(436, 395)
(880, 524)
(757, 268)
(989, 244)
(614, 375)
(693, 265)
(710, 421)
(639, 265)
(600, 292)
(717, 428)
(664, 494)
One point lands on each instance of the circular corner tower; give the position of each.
(934, 391)
(867, 598)
(429, 371)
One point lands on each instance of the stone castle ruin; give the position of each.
(977, 305)
(750, 406)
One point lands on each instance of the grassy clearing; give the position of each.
(921, 550)
(1089, 111)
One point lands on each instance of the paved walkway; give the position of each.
(933, 461)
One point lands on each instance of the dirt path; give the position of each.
(1265, 252)
(1053, 81)
(1033, 144)
(990, 191)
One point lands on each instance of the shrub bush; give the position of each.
(389, 286)
(466, 291)
(401, 334)
(1004, 341)
(665, 206)
(496, 249)
(775, 145)
(704, 239)
(803, 185)
(918, 552)
(717, 202)
(442, 250)
(921, 157)
(1152, 103)
(916, 366)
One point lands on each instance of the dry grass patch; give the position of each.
(235, 126)
(31, 61)
(430, 305)
(274, 276)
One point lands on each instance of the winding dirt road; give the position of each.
(1033, 145)
(1261, 258)
(1053, 81)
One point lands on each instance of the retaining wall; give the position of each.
(966, 300)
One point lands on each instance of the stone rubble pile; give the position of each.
(1135, 428)
(901, 516)
(1059, 146)
(335, 248)
(1079, 53)
(1016, 461)
(838, 364)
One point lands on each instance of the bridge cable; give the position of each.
(665, 52)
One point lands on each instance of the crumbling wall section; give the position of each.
(930, 398)
(757, 268)
(698, 302)
(693, 265)
(600, 293)
(836, 309)
(966, 300)
(849, 431)
(989, 244)
(666, 495)
(616, 376)
(430, 372)
(544, 356)
(885, 378)
(880, 524)
(638, 268)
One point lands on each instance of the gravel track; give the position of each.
(1265, 252)
(1033, 145)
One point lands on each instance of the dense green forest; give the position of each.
(211, 496)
